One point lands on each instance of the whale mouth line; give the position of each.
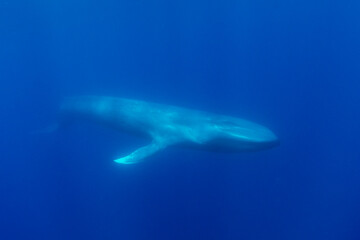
(255, 135)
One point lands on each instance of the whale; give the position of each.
(166, 125)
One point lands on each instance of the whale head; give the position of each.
(235, 134)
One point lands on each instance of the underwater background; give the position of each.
(292, 66)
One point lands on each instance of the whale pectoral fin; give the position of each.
(141, 153)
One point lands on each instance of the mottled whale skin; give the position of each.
(168, 125)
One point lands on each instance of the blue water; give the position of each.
(292, 66)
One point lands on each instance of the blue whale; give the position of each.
(168, 125)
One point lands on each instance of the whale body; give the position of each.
(168, 125)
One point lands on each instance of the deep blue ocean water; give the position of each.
(292, 66)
